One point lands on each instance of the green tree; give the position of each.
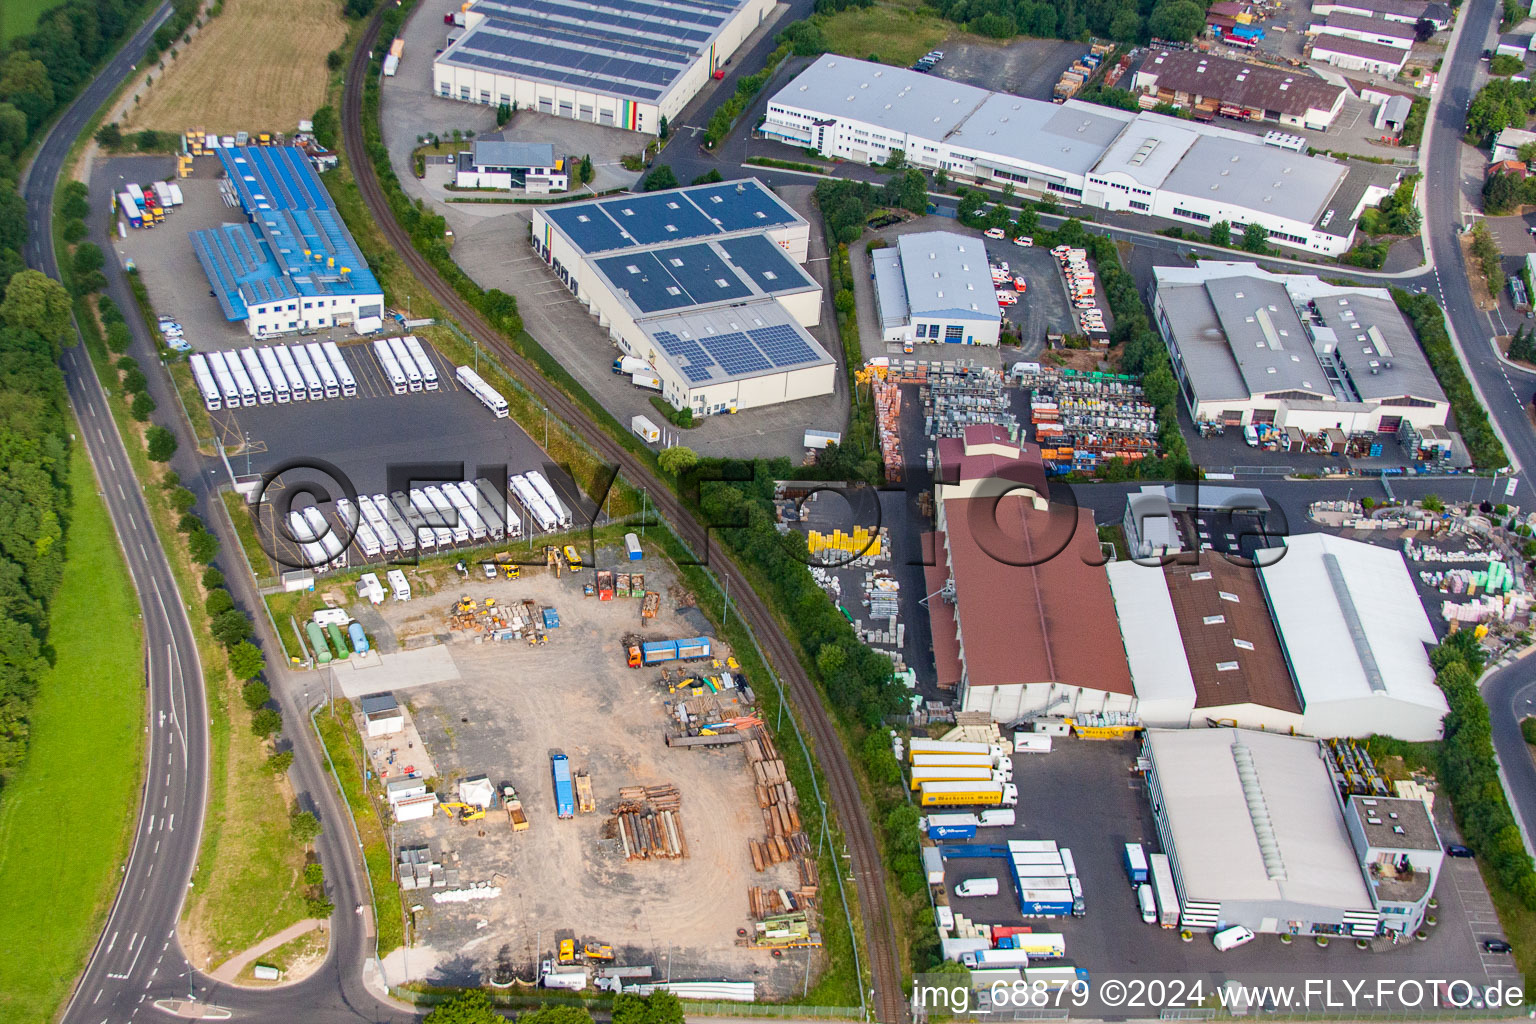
(255, 693)
(134, 381)
(503, 114)
(844, 301)
(664, 129)
(327, 126)
(230, 627)
(660, 1007)
(280, 762)
(471, 1007)
(303, 826)
(586, 169)
(1177, 21)
(500, 310)
(1528, 729)
(1523, 345)
(161, 443)
(677, 460)
(74, 202)
(1255, 239)
(314, 874)
(1221, 233)
(1160, 387)
(709, 177)
(246, 661)
(142, 406)
(212, 578)
(73, 230)
(1503, 65)
(183, 500)
(553, 1015)
(36, 302)
(336, 59)
(267, 722)
(203, 547)
(661, 177)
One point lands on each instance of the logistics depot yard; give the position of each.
(639, 811)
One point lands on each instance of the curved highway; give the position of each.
(137, 959)
(864, 852)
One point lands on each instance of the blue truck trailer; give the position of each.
(565, 797)
(658, 651)
(1135, 861)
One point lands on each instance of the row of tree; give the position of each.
(1125, 21)
(1471, 418)
(475, 1007)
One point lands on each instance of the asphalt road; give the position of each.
(137, 959)
(134, 951)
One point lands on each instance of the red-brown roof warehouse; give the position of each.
(1025, 618)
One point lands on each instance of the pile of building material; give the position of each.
(765, 903)
(888, 416)
(483, 892)
(417, 870)
(649, 823)
(975, 727)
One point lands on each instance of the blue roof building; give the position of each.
(294, 265)
(704, 283)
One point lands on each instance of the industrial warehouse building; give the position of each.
(1325, 638)
(1370, 30)
(494, 162)
(704, 284)
(294, 265)
(1098, 156)
(1405, 12)
(935, 287)
(1359, 55)
(1020, 602)
(1251, 346)
(1209, 85)
(625, 63)
(1261, 830)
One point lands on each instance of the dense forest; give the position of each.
(40, 73)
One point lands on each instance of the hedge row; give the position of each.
(1471, 418)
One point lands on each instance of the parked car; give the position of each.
(1497, 946)
(1020, 284)
(1457, 850)
(1231, 938)
(994, 233)
(177, 345)
(1023, 241)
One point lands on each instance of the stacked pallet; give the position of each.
(649, 822)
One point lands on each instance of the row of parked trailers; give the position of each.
(406, 365)
(432, 518)
(272, 374)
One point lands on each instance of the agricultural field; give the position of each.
(895, 33)
(89, 717)
(258, 65)
(19, 16)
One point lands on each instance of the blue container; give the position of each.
(358, 637)
(551, 619)
(656, 652)
(632, 547)
(1046, 909)
(565, 798)
(952, 831)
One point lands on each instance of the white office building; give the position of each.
(1098, 156)
(935, 288)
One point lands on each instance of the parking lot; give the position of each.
(503, 711)
(1024, 67)
(1084, 795)
(166, 262)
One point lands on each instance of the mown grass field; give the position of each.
(258, 66)
(19, 16)
(63, 833)
(895, 33)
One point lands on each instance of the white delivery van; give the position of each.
(1231, 938)
(977, 887)
(1147, 902)
(996, 817)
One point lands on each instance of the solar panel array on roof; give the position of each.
(701, 212)
(633, 49)
(737, 353)
(769, 266)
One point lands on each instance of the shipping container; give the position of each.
(922, 775)
(1134, 860)
(1066, 976)
(206, 386)
(424, 364)
(919, 745)
(1031, 845)
(307, 370)
(951, 832)
(339, 366)
(1052, 857)
(275, 375)
(393, 372)
(949, 793)
(297, 389)
(983, 959)
(565, 798)
(475, 385)
(649, 381)
(952, 761)
(1043, 904)
(1163, 889)
(933, 820)
(648, 431)
(258, 375)
(329, 383)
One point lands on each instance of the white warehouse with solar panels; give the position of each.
(625, 63)
(702, 283)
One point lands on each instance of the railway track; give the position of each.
(889, 1004)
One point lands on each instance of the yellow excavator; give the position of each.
(462, 812)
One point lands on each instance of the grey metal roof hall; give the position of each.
(674, 216)
(495, 151)
(631, 49)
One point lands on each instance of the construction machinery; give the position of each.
(503, 561)
(462, 812)
(515, 814)
(573, 558)
(584, 801)
(597, 952)
(553, 559)
(567, 951)
(466, 604)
